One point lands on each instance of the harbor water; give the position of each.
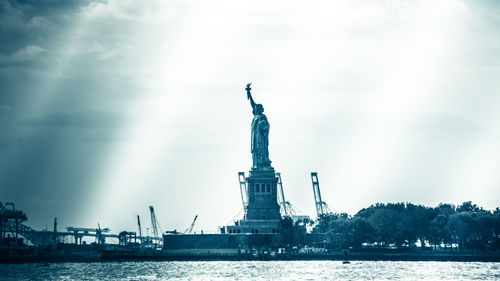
(254, 270)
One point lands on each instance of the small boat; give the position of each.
(346, 255)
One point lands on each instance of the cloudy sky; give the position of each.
(107, 107)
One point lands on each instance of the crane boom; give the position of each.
(139, 226)
(153, 222)
(86, 230)
(190, 228)
(321, 206)
(243, 189)
(285, 205)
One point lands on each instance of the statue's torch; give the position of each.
(248, 90)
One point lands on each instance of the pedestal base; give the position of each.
(262, 195)
(253, 226)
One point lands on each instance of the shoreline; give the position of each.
(353, 256)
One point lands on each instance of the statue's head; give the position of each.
(259, 108)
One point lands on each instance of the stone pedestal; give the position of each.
(262, 195)
(262, 213)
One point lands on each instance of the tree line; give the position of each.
(466, 227)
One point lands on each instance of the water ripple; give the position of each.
(254, 270)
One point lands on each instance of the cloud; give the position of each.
(132, 10)
(39, 22)
(447, 124)
(29, 52)
(88, 119)
(6, 115)
(27, 57)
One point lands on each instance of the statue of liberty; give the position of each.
(260, 135)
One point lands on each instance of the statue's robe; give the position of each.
(260, 141)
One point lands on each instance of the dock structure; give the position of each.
(11, 220)
(14, 233)
(80, 232)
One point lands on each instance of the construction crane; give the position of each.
(86, 230)
(155, 225)
(153, 221)
(12, 216)
(243, 189)
(321, 206)
(140, 229)
(100, 238)
(80, 232)
(54, 233)
(285, 205)
(190, 228)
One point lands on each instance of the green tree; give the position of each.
(291, 234)
(458, 226)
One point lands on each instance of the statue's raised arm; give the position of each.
(249, 95)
